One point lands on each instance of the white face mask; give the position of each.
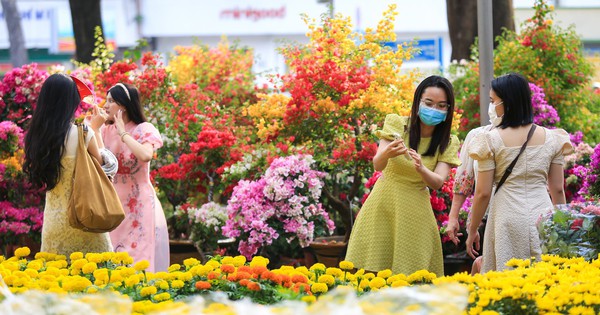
(494, 119)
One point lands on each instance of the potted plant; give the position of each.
(572, 230)
(280, 213)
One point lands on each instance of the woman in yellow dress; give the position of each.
(396, 228)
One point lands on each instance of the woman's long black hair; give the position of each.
(441, 133)
(131, 101)
(46, 137)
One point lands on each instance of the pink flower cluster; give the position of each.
(19, 91)
(11, 138)
(544, 114)
(283, 203)
(15, 221)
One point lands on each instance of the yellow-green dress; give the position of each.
(395, 228)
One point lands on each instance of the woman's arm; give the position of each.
(556, 180)
(94, 151)
(434, 179)
(483, 193)
(143, 152)
(453, 227)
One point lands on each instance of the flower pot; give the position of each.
(329, 250)
(455, 263)
(181, 250)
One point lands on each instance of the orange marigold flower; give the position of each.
(228, 268)
(244, 269)
(299, 279)
(244, 282)
(299, 287)
(243, 275)
(213, 275)
(253, 286)
(258, 270)
(202, 285)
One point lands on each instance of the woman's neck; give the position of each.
(426, 131)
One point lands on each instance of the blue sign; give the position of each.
(427, 49)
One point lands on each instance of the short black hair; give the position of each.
(441, 134)
(513, 89)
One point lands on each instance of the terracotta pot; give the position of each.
(329, 250)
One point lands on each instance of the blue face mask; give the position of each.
(431, 116)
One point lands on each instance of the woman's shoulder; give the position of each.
(561, 140)
(393, 126)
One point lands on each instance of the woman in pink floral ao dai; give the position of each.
(133, 140)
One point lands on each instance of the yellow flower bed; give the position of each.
(554, 285)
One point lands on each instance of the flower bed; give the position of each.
(554, 285)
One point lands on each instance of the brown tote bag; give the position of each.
(94, 205)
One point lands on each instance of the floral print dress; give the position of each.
(143, 233)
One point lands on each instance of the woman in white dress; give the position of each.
(534, 185)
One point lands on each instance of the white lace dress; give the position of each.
(57, 235)
(511, 230)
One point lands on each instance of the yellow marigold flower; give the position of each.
(239, 260)
(162, 284)
(32, 273)
(173, 267)
(191, 262)
(369, 275)
(336, 272)
(213, 264)
(35, 265)
(116, 276)
(359, 273)
(319, 288)
(346, 265)
(91, 290)
(89, 268)
(227, 260)
(318, 267)
(177, 284)
(76, 255)
(22, 252)
(377, 283)
(386, 273)
(399, 283)
(364, 283)
(327, 279)
(141, 265)
(309, 299)
(162, 297)
(147, 291)
(79, 263)
(259, 261)
(133, 280)
(94, 257)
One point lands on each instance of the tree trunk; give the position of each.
(462, 23)
(85, 16)
(18, 51)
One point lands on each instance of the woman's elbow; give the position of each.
(145, 157)
(557, 190)
(483, 195)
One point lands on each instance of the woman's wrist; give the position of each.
(122, 134)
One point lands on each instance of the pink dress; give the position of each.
(143, 233)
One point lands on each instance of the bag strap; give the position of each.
(510, 167)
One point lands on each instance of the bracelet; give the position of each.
(123, 134)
